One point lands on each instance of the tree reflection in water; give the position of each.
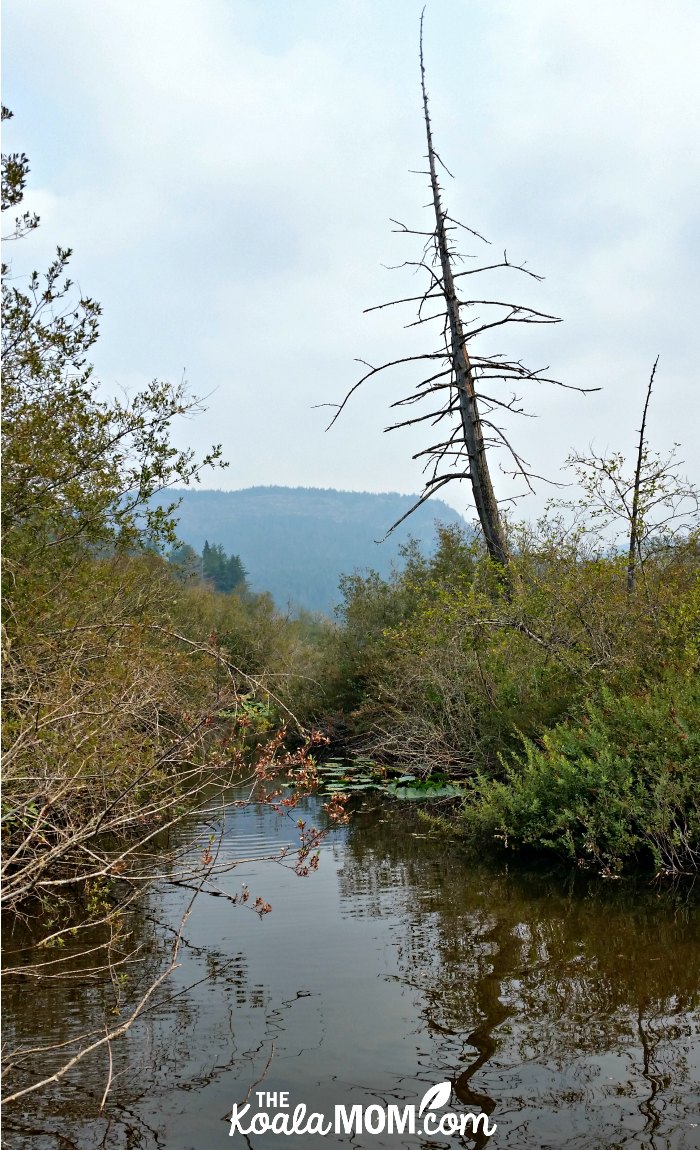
(565, 1007)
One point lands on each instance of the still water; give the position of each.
(565, 1009)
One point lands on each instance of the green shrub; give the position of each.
(619, 784)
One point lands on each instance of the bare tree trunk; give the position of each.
(634, 520)
(484, 497)
(452, 390)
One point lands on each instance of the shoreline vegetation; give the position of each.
(561, 702)
(567, 710)
(122, 714)
(562, 699)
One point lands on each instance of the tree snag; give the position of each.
(454, 388)
(634, 540)
(482, 488)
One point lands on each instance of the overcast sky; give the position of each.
(225, 171)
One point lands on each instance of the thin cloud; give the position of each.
(227, 181)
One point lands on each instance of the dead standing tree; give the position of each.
(655, 504)
(463, 408)
(634, 549)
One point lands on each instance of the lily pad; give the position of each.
(416, 793)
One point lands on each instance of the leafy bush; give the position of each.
(439, 666)
(617, 784)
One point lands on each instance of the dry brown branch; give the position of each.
(115, 1032)
(108, 1084)
(196, 871)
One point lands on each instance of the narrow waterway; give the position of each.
(564, 1008)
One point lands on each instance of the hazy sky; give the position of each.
(225, 171)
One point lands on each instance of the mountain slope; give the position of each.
(296, 542)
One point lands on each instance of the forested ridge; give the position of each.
(563, 699)
(201, 685)
(553, 679)
(296, 542)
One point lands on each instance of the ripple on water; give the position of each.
(568, 1009)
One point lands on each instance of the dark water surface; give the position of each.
(566, 1010)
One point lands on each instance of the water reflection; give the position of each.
(571, 1005)
(566, 1010)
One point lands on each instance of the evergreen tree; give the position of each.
(225, 572)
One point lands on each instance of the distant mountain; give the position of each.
(296, 542)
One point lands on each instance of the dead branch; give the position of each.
(115, 1032)
(458, 383)
(633, 550)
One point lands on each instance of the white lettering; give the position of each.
(449, 1124)
(316, 1125)
(267, 1100)
(350, 1120)
(475, 1120)
(347, 1121)
(430, 1123)
(236, 1128)
(298, 1119)
(375, 1118)
(398, 1120)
